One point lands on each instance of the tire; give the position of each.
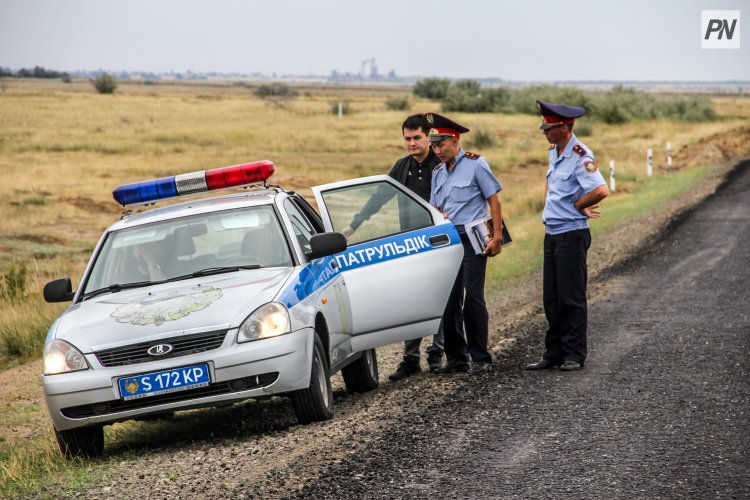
(315, 403)
(362, 375)
(87, 442)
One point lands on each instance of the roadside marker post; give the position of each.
(341, 109)
(612, 175)
(650, 163)
(669, 154)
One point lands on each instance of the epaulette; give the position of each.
(471, 156)
(551, 147)
(579, 150)
(437, 166)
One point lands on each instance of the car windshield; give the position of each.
(202, 244)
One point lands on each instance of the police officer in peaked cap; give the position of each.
(574, 188)
(463, 188)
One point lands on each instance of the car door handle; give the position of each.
(439, 240)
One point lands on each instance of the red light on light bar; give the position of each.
(239, 175)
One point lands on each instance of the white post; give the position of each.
(650, 163)
(341, 109)
(612, 175)
(669, 154)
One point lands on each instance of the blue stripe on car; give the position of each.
(320, 271)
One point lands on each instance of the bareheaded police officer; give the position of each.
(574, 187)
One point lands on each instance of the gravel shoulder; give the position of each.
(413, 438)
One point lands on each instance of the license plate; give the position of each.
(153, 384)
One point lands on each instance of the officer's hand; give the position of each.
(591, 212)
(347, 231)
(494, 247)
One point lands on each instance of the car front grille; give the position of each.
(119, 405)
(181, 346)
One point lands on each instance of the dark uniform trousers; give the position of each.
(564, 291)
(469, 310)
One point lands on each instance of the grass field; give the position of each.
(63, 148)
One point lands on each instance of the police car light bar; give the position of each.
(192, 183)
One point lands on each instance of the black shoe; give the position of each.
(480, 367)
(571, 366)
(453, 367)
(543, 364)
(405, 369)
(434, 361)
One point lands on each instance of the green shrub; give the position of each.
(275, 89)
(481, 139)
(398, 103)
(583, 128)
(432, 88)
(14, 282)
(105, 84)
(468, 96)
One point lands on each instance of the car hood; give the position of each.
(170, 309)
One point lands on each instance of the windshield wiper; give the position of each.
(138, 284)
(116, 287)
(211, 271)
(223, 269)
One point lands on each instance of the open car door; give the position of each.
(400, 263)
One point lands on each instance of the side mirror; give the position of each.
(59, 291)
(325, 244)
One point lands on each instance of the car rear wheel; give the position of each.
(87, 442)
(362, 375)
(315, 403)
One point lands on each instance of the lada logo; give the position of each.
(159, 349)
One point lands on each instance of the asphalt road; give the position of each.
(661, 409)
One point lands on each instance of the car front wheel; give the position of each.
(85, 442)
(362, 375)
(315, 403)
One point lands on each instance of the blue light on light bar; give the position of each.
(146, 191)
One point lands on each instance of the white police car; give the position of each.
(216, 300)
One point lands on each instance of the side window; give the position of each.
(302, 228)
(376, 209)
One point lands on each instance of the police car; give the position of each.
(215, 300)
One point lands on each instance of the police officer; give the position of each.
(574, 187)
(462, 188)
(415, 172)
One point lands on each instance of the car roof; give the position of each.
(198, 206)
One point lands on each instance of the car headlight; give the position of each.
(61, 357)
(269, 320)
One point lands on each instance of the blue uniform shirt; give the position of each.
(570, 176)
(462, 193)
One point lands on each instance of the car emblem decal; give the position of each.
(131, 386)
(156, 308)
(159, 350)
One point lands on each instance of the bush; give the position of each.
(105, 84)
(619, 105)
(14, 282)
(275, 89)
(432, 88)
(398, 103)
(481, 139)
(583, 128)
(468, 96)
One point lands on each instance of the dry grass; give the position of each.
(63, 148)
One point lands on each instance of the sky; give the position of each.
(525, 40)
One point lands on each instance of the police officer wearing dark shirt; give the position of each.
(415, 172)
(574, 187)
